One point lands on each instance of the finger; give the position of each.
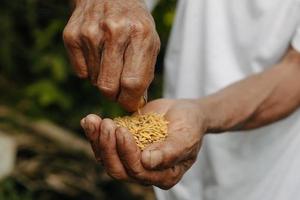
(112, 64)
(91, 125)
(138, 72)
(174, 149)
(71, 38)
(116, 40)
(92, 39)
(75, 52)
(129, 152)
(109, 155)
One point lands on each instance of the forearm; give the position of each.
(258, 100)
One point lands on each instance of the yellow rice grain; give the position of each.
(145, 128)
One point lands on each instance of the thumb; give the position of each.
(164, 154)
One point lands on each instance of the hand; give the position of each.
(115, 44)
(160, 164)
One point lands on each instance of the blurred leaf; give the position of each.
(46, 93)
(8, 191)
(52, 64)
(45, 37)
(168, 18)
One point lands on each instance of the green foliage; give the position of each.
(9, 190)
(164, 14)
(46, 93)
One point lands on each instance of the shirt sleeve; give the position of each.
(296, 40)
(151, 4)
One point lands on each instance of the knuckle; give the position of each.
(107, 89)
(89, 32)
(114, 27)
(70, 36)
(141, 28)
(133, 83)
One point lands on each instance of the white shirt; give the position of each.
(215, 43)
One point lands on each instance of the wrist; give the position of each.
(213, 115)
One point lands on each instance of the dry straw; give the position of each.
(145, 128)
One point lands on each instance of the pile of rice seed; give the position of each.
(145, 128)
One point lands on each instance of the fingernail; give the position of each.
(155, 158)
(91, 128)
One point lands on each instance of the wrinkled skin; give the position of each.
(161, 164)
(115, 45)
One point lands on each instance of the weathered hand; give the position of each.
(160, 164)
(115, 44)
